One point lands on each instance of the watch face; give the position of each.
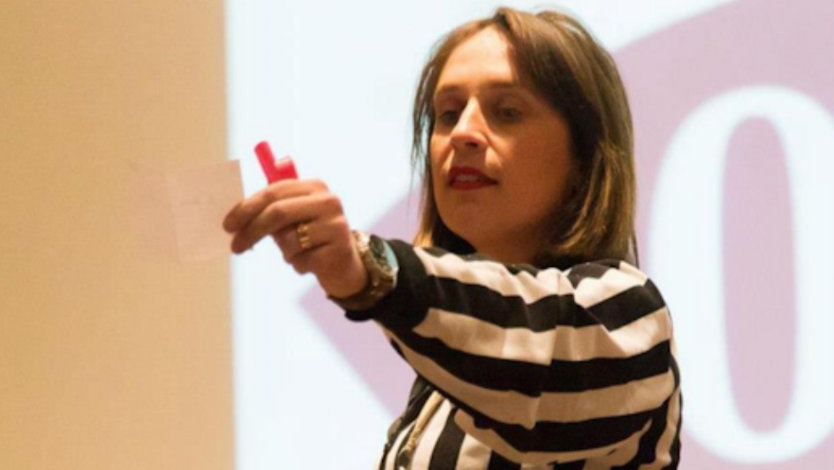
(382, 254)
(377, 247)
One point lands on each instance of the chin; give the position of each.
(471, 224)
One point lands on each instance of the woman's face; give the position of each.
(500, 155)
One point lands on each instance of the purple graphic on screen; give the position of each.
(667, 75)
(744, 44)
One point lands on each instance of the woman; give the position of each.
(536, 344)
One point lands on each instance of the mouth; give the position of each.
(468, 178)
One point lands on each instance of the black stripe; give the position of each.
(407, 304)
(447, 447)
(673, 363)
(417, 397)
(648, 441)
(497, 462)
(575, 465)
(396, 348)
(646, 452)
(627, 306)
(675, 448)
(566, 376)
(507, 311)
(388, 453)
(564, 437)
(546, 313)
(393, 431)
(587, 271)
(532, 379)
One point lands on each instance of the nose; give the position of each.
(468, 133)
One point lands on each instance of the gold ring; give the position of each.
(302, 231)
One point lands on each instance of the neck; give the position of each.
(516, 251)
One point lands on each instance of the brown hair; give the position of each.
(564, 64)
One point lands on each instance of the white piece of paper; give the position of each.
(199, 200)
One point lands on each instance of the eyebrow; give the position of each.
(498, 84)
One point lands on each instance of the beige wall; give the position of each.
(110, 356)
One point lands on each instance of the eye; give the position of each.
(508, 113)
(447, 117)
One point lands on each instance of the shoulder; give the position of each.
(615, 291)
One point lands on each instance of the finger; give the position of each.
(308, 236)
(247, 209)
(300, 238)
(304, 261)
(286, 213)
(316, 253)
(243, 213)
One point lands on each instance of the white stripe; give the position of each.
(391, 458)
(515, 408)
(474, 336)
(425, 447)
(664, 445)
(592, 291)
(633, 271)
(619, 400)
(493, 440)
(473, 455)
(471, 335)
(496, 277)
(594, 341)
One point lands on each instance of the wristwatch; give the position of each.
(382, 266)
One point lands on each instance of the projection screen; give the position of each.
(734, 118)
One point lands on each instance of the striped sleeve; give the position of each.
(543, 365)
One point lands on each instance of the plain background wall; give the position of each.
(110, 356)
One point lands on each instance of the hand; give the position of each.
(278, 209)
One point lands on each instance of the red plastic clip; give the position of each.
(274, 170)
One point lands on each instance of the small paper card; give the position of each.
(200, 198)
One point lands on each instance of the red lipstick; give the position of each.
(467, 178)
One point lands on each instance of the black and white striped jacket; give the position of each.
(535, 369)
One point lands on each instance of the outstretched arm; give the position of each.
(544, 365)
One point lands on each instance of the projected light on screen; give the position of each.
(734, 119)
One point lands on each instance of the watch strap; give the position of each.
(381, 264)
